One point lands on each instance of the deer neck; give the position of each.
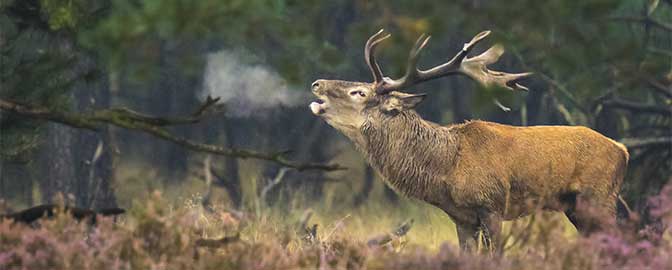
(413, 155)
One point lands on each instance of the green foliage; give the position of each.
(579, 45)
(576, 44)
(580, 51)
(34, 71)
(64, 14)
(133, 32)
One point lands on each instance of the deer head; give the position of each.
(346, 105)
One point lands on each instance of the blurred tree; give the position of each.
(41, 64)
(51, 46)
(603, 63)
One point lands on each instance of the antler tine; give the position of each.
(415, 52)
(459, 57)
(412, 71)
(370, 57)
(476, 69)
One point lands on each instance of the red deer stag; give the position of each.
(479, 173)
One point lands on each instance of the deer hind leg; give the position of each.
(589, 213)
(491, 225)
(468, 236)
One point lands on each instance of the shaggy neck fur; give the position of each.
(409, 152)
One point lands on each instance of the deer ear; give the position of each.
(398, 101)
(409, 101)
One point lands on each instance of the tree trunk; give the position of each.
(105, 177)
(93, 151)
(58, 171)
(537, 108)
(461, 103)
(232, 174)
(606, 122)
(167, 98)
(363, 195)
(16, 181)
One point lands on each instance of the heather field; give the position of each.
(156, 234)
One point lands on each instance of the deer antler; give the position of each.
(369, 55)
(474, 67)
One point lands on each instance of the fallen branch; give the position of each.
(35, 213)
(217, 243)
(128, 119)
(309, 234)
(385, 238)
(305, 218)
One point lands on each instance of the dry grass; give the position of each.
(167, 231)
(157, 234)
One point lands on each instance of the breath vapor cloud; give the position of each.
(246, 88)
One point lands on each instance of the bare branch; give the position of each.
(626, 206)
(560, 108)
(660, 87)
(195, 117)
(663, 52)
(643, 19)
(272, 184)
(646, 142)
(637, 107)
(46, 114)
(556, 86)
(209, 101)
(128, 119)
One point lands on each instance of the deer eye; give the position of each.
(357, 92)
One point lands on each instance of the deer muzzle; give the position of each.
(318, 107)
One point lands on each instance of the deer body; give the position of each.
(479, 173)
(477, 167)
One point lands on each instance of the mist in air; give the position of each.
(245, 87)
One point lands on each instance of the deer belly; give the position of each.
(520, 203)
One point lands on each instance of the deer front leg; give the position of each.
(468, 236)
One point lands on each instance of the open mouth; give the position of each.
(319, 106)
